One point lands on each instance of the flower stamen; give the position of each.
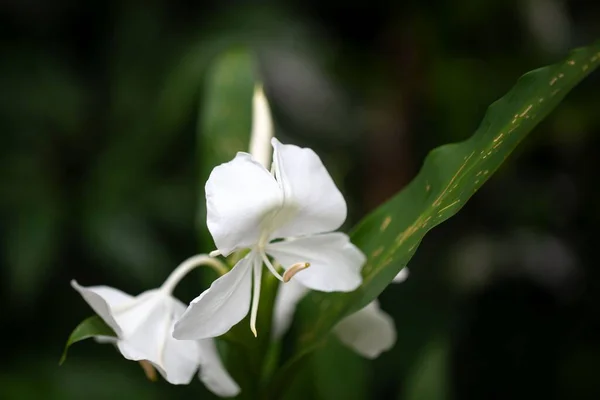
(257, 271)
(294, 269)
(271, 267)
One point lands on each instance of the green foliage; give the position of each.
(90, 327)
(450, 175)
(429, 378)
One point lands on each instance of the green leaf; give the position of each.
(450, 175)
(339, 373)
(93, 326)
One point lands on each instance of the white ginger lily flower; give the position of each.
(247, 208)
(369, 331)
(144, 323)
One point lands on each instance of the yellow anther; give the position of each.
(294, 269)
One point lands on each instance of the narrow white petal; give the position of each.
(310, 195)
(225, 303)
(402, 275)
(288, 296)
(262, 128)
(103, 299)
(335, 263)
(241, 197)
(369, 331)
(212, 372)
(106, 339)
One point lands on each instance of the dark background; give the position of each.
(99, 179)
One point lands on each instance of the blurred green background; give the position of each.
(100, 180)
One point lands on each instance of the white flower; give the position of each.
(369, 331)
(247, 208)
(144, 323)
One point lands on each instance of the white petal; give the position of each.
(309, 192)
(369, 332)
(225, 303)
(262, 128)
(144, 324)
(335, 263)
(103, 299)
(175, 360)
(180, 358)
(288, 296)
(240, 196)
(212, 372)
(402, 275)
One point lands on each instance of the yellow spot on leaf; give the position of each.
(438, 201)
(377, 252)
(387, 262)
(451, 204)
(526, 110)
(385, 223)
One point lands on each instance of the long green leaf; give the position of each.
(450, 175)
(90, 327)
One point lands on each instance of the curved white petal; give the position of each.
(241, 196)
(335, 263)
(288, 296)
(144, 325)
(401, 276)
(310, 195)
(225, 303)
(369, 331)
(175, 360)
(179, 358)
(262, 128)
(103, 299)
(212, 372)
